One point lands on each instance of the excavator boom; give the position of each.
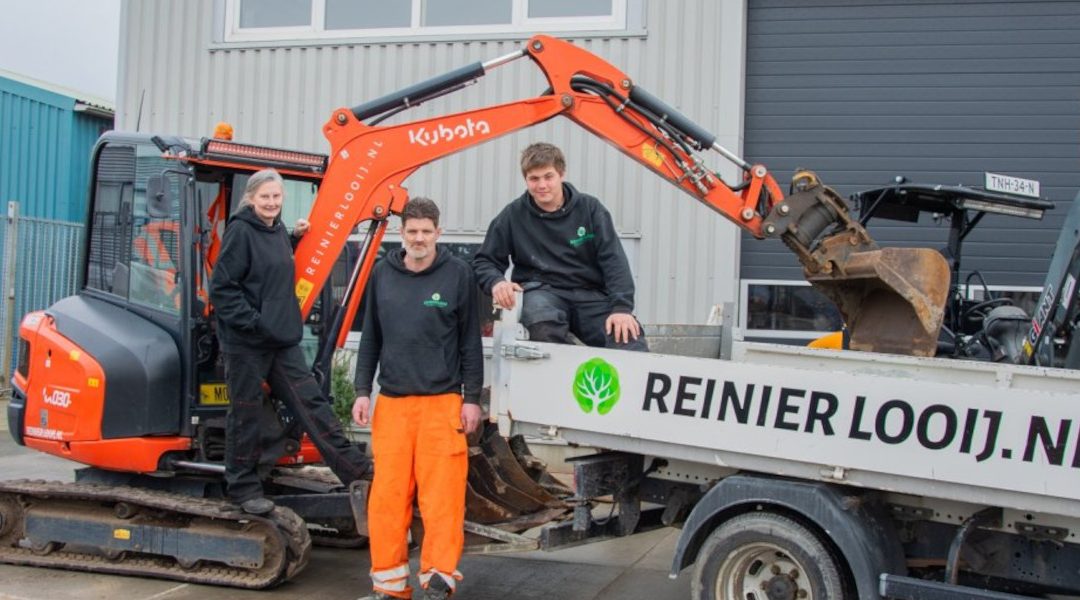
(892, 300)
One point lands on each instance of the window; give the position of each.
(134, 230)
(299, 198)
(786, 310)
(780, 310)
(154, 271)
(106, 265)
(1026, 298)
(276, 20)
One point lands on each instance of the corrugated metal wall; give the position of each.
(685, 256)
(938, 91)
(85, 131)
(45, 151)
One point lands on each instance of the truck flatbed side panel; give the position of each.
(950, 425)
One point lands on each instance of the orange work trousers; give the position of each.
(420, 452)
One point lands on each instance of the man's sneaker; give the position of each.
(437, 589)
(257, 506)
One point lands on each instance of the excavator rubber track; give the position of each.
(148, 533)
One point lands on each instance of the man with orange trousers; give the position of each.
(422, 329)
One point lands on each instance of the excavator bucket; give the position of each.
(501, 490)
(892, 299)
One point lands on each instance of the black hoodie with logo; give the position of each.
(422, 329)
(575, 247)
(252, 286)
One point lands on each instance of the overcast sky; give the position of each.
(72, 43)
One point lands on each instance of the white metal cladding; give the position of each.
(692, 57)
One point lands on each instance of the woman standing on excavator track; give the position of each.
(260, 327)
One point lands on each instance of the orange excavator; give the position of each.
(125, 376)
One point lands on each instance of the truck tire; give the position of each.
(766, 556)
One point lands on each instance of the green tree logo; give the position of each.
(596, 384)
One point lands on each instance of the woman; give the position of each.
(259, 327)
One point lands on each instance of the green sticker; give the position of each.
(596, 384)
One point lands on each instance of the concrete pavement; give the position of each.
(633, 568)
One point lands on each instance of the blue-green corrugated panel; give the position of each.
(85, 132)
(44, 150)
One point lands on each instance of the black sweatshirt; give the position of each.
(575, 247)
(422, 329)
(251, 288)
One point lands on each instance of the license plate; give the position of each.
(213, 394)
(1007, 184)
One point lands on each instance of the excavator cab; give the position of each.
(125, 375)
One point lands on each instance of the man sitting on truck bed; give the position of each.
(567, 259)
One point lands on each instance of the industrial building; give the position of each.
(861, 91)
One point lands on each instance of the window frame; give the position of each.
(770, 334)
(626, 19)
(969, 292)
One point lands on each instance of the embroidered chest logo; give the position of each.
(436, 301)
(582, 236)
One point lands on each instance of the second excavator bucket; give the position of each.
(892, 299)
(502, 492)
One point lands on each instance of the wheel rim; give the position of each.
(762, 571)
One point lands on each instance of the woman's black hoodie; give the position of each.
(422, 329)
(252, 288)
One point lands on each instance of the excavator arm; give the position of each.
(369, 162)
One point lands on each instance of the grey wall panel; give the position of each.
(938, 91)
(692, 56)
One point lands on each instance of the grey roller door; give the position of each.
(936, 91)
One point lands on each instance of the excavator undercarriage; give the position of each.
(175, 527)
(135, 531)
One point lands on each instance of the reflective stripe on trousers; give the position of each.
(393, 581)
(451, 579)
(420, 452)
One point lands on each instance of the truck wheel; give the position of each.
(765, 556)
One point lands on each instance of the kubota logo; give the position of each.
(56, 398)
(596, 384)
(442, 133)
